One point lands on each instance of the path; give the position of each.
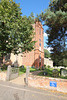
(36, 72)
(19, 80)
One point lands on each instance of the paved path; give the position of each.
(10, 91)
(36, 72)
(19, 80)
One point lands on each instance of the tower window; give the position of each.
(39, 44)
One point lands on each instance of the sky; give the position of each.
(35, 6)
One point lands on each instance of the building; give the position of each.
(36, 56)
(48, 61)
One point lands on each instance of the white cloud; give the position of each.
(45, 34)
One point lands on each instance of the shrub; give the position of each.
(55, 73)
(22, 69)
(4, 67)
(48, 66)
(39, 68)
(44, 65)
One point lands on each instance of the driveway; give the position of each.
(10, 91)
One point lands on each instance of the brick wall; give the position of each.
(3, 76)
(44, 82)
(28, 58)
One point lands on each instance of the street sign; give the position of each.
(53, 84)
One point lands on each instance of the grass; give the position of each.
(48, 70)
(49, 73)
(33, 69)
(23, 70)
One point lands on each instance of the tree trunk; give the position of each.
(1, 61)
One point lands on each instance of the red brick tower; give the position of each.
(36, 56)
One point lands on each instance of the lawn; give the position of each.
(48, 70)
(49, 73)
(23, 70)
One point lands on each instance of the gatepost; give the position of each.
(27, 74)
(8, 73)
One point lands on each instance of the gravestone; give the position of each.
(45, 73)
(55, 73)
(64, 72)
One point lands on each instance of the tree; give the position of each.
(55, 17)
(16, 32)
(46, 53)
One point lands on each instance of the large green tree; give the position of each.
(15, 31)
(55, 17)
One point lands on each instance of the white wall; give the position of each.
(47, 62)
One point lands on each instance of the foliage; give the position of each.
(48, 70)
(46, 53)
(16, 32)
(4, 68)
(48, 66)
(23, 70)
(49, 73)
(32, 69)
(44, 65)
(55, 17)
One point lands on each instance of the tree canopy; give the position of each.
(16, 32)
(55, 17)
(46, 53)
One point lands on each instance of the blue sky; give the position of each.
(35, 6)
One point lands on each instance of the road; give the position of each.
(10, 91)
